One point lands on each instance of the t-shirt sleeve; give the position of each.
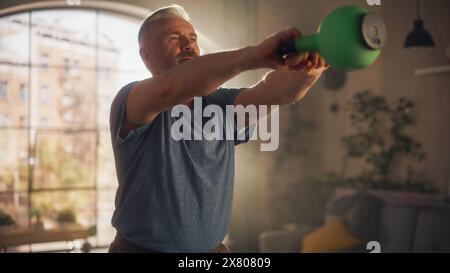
(117, 114)
(227, 96)
(224, 96)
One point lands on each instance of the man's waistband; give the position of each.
(122, 245)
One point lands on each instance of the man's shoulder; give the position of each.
(223, 95)
(119, 102)
(123, 92)
(120, 98)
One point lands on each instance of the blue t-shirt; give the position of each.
(173, 196)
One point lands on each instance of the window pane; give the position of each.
(64, 160)
(14, 40)
(119, 60)
(105, 231)
(13, 158)
(63, 99)
(119, 49)
(81, 202)
(64, 38)
(109, 84)
(16, 205)
(13, 95)
(106, 171)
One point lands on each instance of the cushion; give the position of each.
(331, 237)
(398, 224)
(361, 212)
(433, 231)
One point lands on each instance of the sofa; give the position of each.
(361, 220)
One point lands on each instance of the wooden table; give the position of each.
(33, 236)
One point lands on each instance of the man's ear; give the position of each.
(144, 53)
(145, 56)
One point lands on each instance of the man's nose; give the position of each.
(187, 44)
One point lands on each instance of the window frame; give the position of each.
(98, 7)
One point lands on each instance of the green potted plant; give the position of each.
(6, 222)
(379, 139)
(66, 218)
(36, 218)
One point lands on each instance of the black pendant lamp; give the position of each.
(419, 36)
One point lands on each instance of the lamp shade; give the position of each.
(419, 36)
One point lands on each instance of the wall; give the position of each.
(431, 93)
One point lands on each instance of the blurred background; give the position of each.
(365, 156)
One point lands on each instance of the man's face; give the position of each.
(170, 41)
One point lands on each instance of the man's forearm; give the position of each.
(287, 87)
(205, 74)
(278, 88)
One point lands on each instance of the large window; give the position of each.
(59, 71)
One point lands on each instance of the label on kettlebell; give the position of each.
(374, 31)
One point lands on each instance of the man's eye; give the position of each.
(174, 37)
(194, 39)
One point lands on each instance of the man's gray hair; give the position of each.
(169, 11)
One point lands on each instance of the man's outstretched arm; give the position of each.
(199, 77)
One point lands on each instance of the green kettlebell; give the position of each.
(349, 38)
